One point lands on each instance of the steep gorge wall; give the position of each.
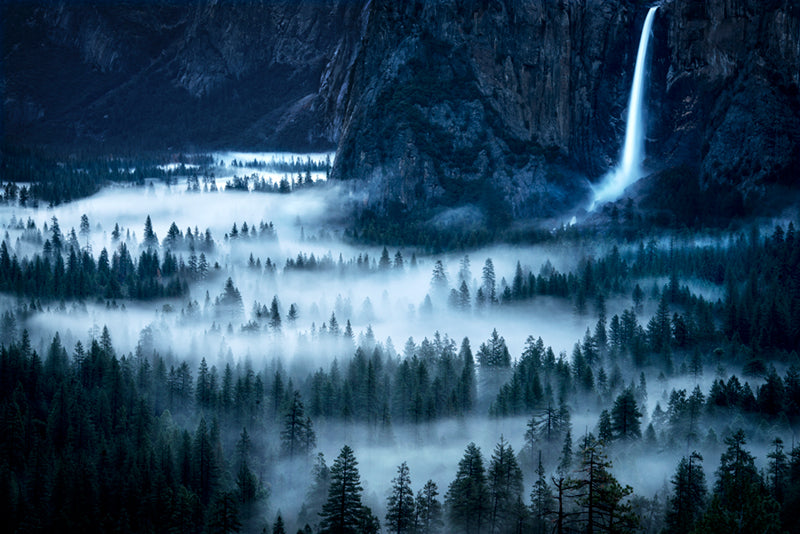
(509, 107)
(458, 111)
(492, 105)
(729, 99)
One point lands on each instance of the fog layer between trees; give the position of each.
(195, 358)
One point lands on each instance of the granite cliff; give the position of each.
(452, 111)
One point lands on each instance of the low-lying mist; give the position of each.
(273, 293)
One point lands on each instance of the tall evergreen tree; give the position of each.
(488, 282)
(626, 417)
(297, 436)
(542, 502)
(598, 493)
(739, 504)
(248, 489)
(224, 515)
(505, 487)
(467, 389)
(687, 502)
(274, 315)
(468, 495)
(149, 239)
(400, 505)
(343, 512)
(777, 471)
(317, 493)
(428, 510)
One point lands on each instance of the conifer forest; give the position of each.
(254, 365)
(416, 267)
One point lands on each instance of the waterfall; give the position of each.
(629, 169)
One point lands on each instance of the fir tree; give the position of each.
(777, 470)
(598, 493)
(224, 515)
(687, 502)
(400, 505)
(625, 417)
(428, 510)
(542, 502)
(467, 497)
(297, 436)
(343, 512)
(505, 487)
(278, 527)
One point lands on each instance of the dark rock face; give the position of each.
(144, 75)
(730, 97)
(486, 103)
(512, 106)
(453, 111)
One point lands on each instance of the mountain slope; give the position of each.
(457, 112)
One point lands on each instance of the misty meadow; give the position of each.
(354, 266)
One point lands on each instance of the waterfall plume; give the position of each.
(629, 170)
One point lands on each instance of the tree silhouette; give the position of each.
(343, 512)
(400, 505)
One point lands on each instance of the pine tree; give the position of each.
(598, 493)
(777, 470)
(400, 505)
(428, 510)
(206, 463)
(494, 353)
(505, 487)
(687, 503)
(739, 503)
(292, 315)
(737, 473)
(565, 461)
(489, 285)
(343, 512)
(468, 494)
(318, 490)
(659, 330)
(224, 515)
(463, 296)
(625, 417)
(467, 391)
(439, 282)
(297, 436)
(274, 315)
(247, 487)
(542, 502)
(278, 527)
(604, 429)
(384, 262)
(150, 241)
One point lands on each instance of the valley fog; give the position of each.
(404, 355)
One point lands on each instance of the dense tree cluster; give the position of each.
(90, 445)
(67, 271)
(432, 380)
